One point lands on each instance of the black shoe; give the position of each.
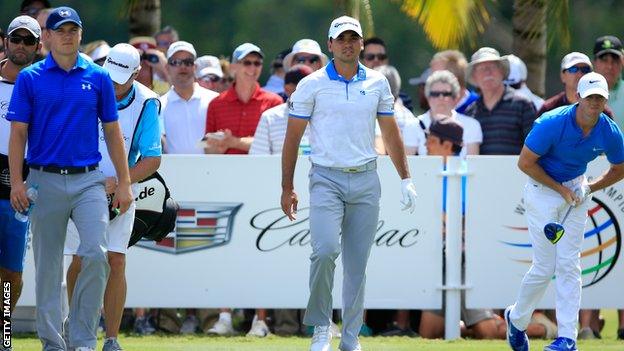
(396, 331)
(620, 334)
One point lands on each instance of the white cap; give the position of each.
(181, 46)
(343, 24)
(306, 46)
(517, 70)
(245, 49)
(208, 65)
(123, 60)
(25, 22)
(100, 52)
(593, 83)
(574, 58)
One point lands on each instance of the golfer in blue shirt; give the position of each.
(55, 105)
(555, 157)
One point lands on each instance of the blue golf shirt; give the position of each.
(61, 109)
(564, 151)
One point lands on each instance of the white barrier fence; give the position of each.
(233, 247)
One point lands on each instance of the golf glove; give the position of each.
(583, 193)
(409, 195)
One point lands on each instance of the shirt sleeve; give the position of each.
(211, 125)
(261, 144)
(540, 138)
(615, 150)
(301, 102)
(107, 103)
(148, 143)
(20, 107)
(386, 100)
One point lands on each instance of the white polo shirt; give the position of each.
(184, 122)
(342, 114)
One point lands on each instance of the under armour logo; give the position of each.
(86, 86)
(63, 13)
(363, 92)
(63, 171)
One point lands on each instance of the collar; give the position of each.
(81, 62)
(230, 94)
(126, 101)
(508, 93)
(333, 74)
(174, 95)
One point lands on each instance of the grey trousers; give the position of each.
(344, 212)
(81, 197)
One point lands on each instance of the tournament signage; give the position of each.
(233, 246)
(498, 249)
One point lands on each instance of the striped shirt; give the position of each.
(506, 126)
(271, 131)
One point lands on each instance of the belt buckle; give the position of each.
(64, 171)
(351, 170)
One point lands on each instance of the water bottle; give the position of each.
(32, 195)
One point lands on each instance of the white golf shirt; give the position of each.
(184, 122)
(342, 114)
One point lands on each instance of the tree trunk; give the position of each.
(144, 17)
(529, 40)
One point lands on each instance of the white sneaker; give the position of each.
(335, 330)
(258, 329)
(222, 327)
(189, 326)
(321, 339)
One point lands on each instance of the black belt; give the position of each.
(65, 170)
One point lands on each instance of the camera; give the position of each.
(150, 58)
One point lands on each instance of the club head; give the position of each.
(553, 232)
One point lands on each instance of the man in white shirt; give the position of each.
(184, 106)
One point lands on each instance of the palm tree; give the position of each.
(143, 17)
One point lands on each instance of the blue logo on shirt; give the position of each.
(363, 92)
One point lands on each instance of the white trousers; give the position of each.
(562, 260)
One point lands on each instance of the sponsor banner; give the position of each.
(233, 246)
(498, 249)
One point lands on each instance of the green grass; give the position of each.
(274, 343)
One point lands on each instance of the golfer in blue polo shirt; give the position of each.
(55, 105)
(555, 157)
(341, 102)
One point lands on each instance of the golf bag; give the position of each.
(156, 211)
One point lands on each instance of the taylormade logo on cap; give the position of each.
(110, 61)
(122, 62)
(593, 84)
(343, 24)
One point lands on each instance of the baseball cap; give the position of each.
(123, 60)
(62, 15)
(447, 129)
(517, 70)
(181, 46)
(142, 42)
(593, 83)
(421, 79)
(25, 22)
(296, 73)
(573, 59)
(245, 49)
(343, 24)
(208, 64)
(608, 44)
(307, 46)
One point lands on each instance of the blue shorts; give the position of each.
(13, 237)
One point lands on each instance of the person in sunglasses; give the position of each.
(506, 117)
(608, 61)
(573, 66)
(208, 72)
(55, 106)
(374, 55)
(21, 46)
(306, 52)
(235, 113)
(184, 106)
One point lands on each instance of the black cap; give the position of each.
(447, 129)
(296, 73)
(608, 44)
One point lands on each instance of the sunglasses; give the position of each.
(18, 39)
(308, 59)
(435, 94)
(371, 57)
(211, 78)
(583, 69)
(100, 61)
(179, 62)
(248, 63)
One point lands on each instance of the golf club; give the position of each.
(554, 230)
